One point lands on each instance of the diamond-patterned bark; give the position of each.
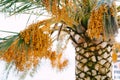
(93, 61)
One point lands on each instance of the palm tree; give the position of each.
(90, 24)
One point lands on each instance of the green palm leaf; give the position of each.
(4, 45)
(19, 6)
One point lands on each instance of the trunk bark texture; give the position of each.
(93, 61)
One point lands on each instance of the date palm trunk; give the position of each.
(93, 59)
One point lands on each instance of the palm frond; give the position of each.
(9, 32)
(19, 6)
(4, 45)
(3, 39)
(8, 68)
(110, 23)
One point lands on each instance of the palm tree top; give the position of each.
(94, 18)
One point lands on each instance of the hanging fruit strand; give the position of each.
(30, 46)
(95, 25)
(102, 22)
